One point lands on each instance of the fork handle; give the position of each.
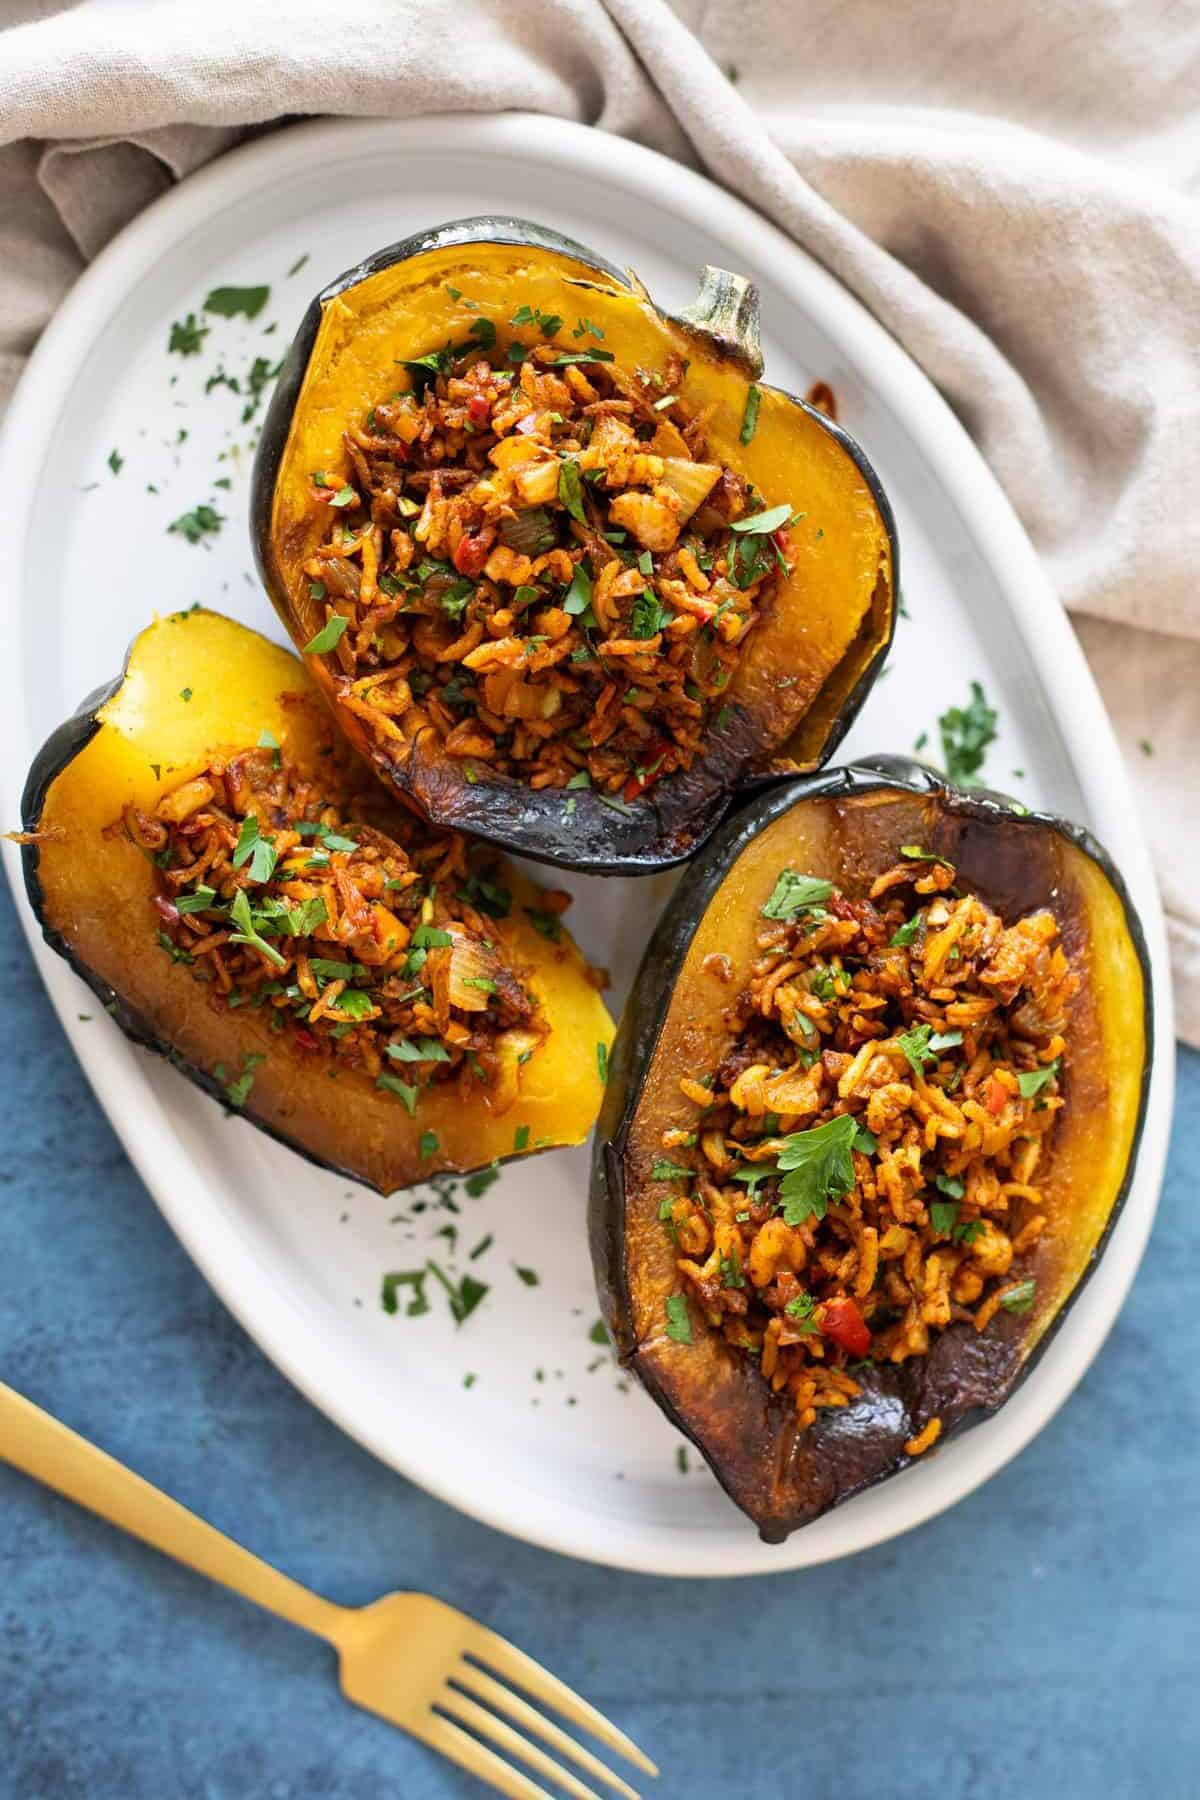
(41, 1446)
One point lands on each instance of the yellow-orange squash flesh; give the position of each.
(196, 683)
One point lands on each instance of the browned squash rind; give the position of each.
(846, 826)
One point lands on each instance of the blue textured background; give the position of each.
(1041, 1639)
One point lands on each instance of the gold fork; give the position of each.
(415, 1661)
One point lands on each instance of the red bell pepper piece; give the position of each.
(479, 409)
(651, 769)
(994, 1096)
(841, 1320)
(470, 555)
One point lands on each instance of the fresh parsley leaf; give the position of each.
(431, 937)
(1020, 1298)
(199, 900)
(424, 1049)
(666, 1170)
(248, 933)
(238, 1091)
(679, 1323)
(484, 332)
(968, 1231)
(570, 488)
(228, 302)
(764, 523)
(328, 636)
(908, 931)
(195, 526)
(187, 336)
(942, 1216)
(950, 1185)
(864, 1141)
(816, 1168)
(254, 849)
(966, 732)
(579, 595)
(1032, 1081)
(795, 893)
(547, 923)
(394, 1085)
(398, 1278)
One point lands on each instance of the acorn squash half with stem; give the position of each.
(847, 827)
(197, 684)
(803, 671)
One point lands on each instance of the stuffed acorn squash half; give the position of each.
(567, 571)
(380, 995)
(873, 1111)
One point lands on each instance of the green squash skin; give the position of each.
(664, 827)
(972, 1374)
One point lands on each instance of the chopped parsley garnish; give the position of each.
(764, 523)
(268, 741)
(401, 1089)
(425, 1049)
(679, 1322)
(427, 1145)
(248, 932)
(582, 325)
(237, 1092)
(966, 733)
(484, 332)
(464, 1296)
(795, 893)
(187, 336)
(405, 1278)
(328, 636)
(801, 1309)
(199, 900)
(665, 1170)
(579, 595)
(648, 616)
(598, 1334)
(570, 488)
(116, 461)
(528, 1276)
(816, 1168)
(731, 1271)
(521, 1138)
(908, 931)
(750, 414)
(547, 923)
(228, 302)
(923, 1045)
(1020, 1298)
(254, 849)
(951, 1185)
(1032, 1081)
(202, 522)
(943, 1215)
(582, 356)
(602, 1062)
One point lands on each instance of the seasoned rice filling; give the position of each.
(534, 554)
(367, 951)
(863, 1168)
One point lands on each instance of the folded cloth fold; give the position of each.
(1020, 206)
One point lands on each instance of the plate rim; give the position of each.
(965, 481)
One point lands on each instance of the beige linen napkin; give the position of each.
(1020, 206)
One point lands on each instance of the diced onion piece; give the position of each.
(692, 481)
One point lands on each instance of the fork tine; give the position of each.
(444, 1736)
(505, 1659)
(467, 1712)
(503, 1699)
